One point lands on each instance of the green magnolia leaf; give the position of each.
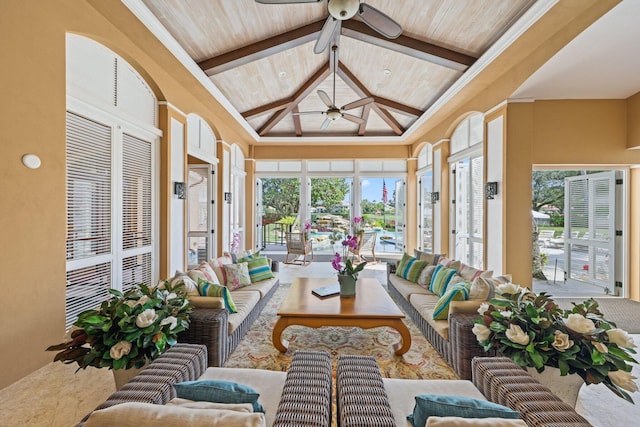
(537, 359)
(563, 366)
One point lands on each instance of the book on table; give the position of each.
(326, 291)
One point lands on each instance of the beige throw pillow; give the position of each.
(136, 414)
(483, 288)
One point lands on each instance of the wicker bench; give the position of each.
(305, 399)
(362, 397)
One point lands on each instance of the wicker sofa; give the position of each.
(299, 397)
(364, 398)
(221, 331)
(451, 337)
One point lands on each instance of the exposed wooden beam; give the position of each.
(267, 108)
(397, 107)
(408, 46)
(365, 115)
(352, 81)
(261, 49)
(306, 88)
(296, 121)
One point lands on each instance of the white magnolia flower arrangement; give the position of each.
(128, 330)
(533, 331)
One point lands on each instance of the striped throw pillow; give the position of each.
(208, 289)
(259, 269)
(440, 279)
(456, 292)
(410, 268)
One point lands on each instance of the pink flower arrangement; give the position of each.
(347, 268)
(357, 223)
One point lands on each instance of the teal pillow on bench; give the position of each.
(438, 405)
(218, 391)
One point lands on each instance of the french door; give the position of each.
(467, 210)
(200, 214)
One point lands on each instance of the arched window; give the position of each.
(111, 178)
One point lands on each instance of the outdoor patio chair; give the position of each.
(299, 247)
(545, 236)
(366, 243)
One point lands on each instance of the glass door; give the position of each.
(201, 231)
(400, 214)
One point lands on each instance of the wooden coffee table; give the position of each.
(372, 307)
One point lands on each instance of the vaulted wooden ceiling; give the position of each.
(261, 58)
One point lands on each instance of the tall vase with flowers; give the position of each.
(347, 272)
(536, 333)
(128, 330)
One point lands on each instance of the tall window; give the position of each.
(466, 166)
(111, 189)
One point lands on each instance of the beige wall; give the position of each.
(33, 219)
(579, 133)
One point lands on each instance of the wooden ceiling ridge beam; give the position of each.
(397, 107)
(267, 108)
(261, 49)
(409, 46)
(306, 88)
(352, 81)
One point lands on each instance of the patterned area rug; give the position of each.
(256, 349)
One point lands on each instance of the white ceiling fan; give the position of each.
(340, 10)
(333, 112)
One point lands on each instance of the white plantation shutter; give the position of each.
(590, 228)
(136, 211)
(89, 230)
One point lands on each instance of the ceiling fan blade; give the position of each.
(352, 118)
(304, 113)
(379, 21)
(286, 1)
(326, 34)
(325, 98)
(358, 103)
(325, 124)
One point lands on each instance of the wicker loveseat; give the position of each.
(220, 330)
(300, 397)
(451, 337)
(364, 398)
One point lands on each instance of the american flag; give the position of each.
(385, 196)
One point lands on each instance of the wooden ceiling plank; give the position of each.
(409, 46)
(352, 81)
(306, 88)
(261, 49)
(267, 108)
(397, 107)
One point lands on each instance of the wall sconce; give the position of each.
(227, 197)
(179, 189)
(491, 190)
(435, 196)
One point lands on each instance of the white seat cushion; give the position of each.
(268, 384)
(402, 394)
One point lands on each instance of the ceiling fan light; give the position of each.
(333, 114)
(343, 9)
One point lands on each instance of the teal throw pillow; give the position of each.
(259, 269)
(457, 292)
(437, 405)
(440, 279)
(208, 289)
(410, 268)
(219, 392)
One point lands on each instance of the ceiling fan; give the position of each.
(333, 112)
(340, 10)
